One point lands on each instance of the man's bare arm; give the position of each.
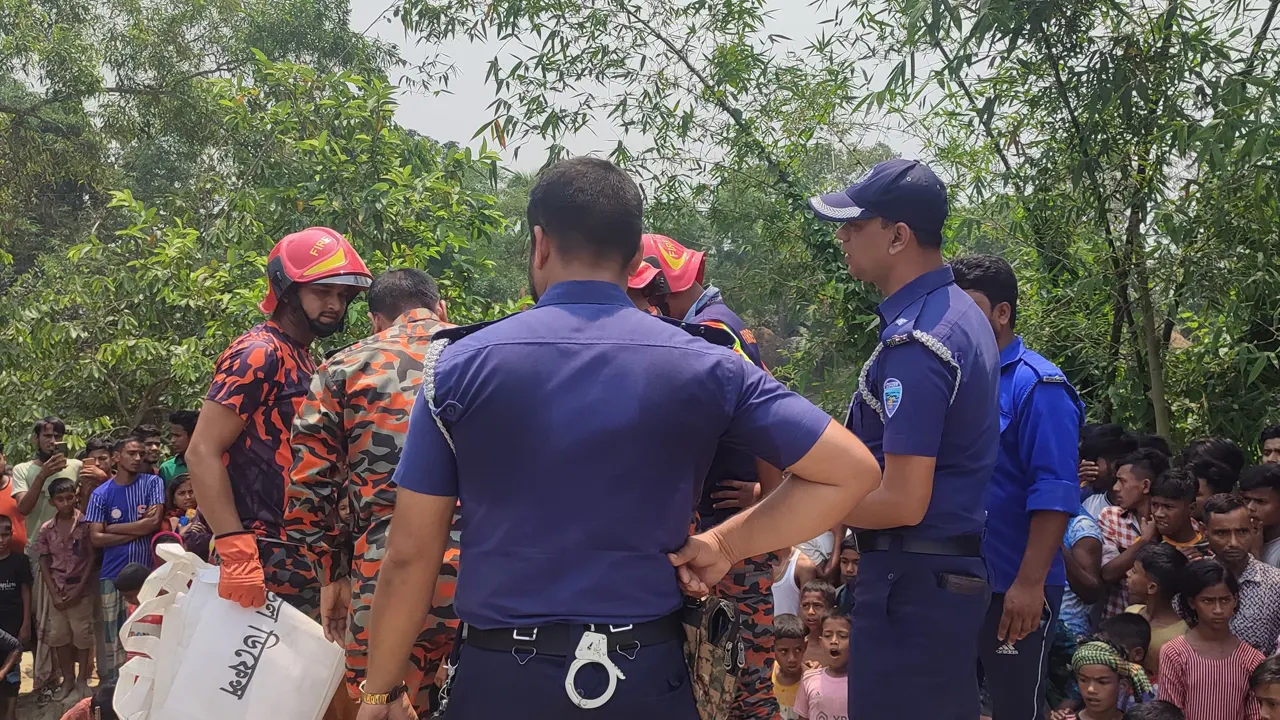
(406, 583)
(217, 429)
(902, 498)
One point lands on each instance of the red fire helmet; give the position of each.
(314, 255)
(681, 266)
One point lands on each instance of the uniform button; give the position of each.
(450, 411)
(890, 576)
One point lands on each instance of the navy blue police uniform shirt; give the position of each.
(584, 428)
(729, 463)
(930, 389)
(1040, 420)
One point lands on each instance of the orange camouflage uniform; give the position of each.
(347, 440)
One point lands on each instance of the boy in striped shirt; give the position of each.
(122, 514)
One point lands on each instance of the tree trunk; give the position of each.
(1146, 327)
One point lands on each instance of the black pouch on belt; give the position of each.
(713, 648)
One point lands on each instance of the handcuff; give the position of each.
(592, 648)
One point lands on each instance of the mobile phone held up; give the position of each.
(61, 449)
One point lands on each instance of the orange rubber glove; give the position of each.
(241, 579)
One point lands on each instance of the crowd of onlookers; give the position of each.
(78, 533)
(1173, 602)
(1173, 567)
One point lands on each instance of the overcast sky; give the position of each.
(457, 116)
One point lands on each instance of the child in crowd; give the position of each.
(15, 615)
(1206, 672)
(10, 675)
(849, 559)
(1154, 710)
(1131, 633)
(817, 598)
(1127, 526)
(1260, 487)
(1153, 583)
(1264, 683)
(1107, 679)
(181, 508)
(1173, 500)
(66, 567)
(824, 692)
(129, 583)
(790, 642)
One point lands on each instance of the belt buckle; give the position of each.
(531, 637)
(592, 648)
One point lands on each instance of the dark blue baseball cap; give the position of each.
(904, 191)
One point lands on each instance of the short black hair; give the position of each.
(143, 432)
(185, 419)
(1109, 442)
(789, 627)
(95, 444)
(61, 485)
(1155, 442)
(1201, 574)
(1215, 448)
(1151, 463)
(104, 699)
(1221, 504)
(132, 577)
(1261, 477)
(1175, 484)
(820, 586)
(6, 520)
(834, 614)
(591, 208)
(1270, 432)
(1128, 630)
(1267, 673)
(396, 292)
(992, 276)
(1217, 475)
(50, 421)
(1164, 564)
(1154, 710)
(125, 441)
(850, 542)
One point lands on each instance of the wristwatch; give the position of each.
(386, 698)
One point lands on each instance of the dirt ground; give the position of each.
(29, 709)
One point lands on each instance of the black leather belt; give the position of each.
(560, 640)
(882, 541)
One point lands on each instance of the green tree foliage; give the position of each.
(129, 322)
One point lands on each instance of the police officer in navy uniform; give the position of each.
(544, 425)
(1033, 494)
(926, 406)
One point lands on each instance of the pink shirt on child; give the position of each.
(823, 696)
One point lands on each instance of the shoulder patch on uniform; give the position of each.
(457, 332)
(892, 396)
(1054, 378)
(713, 335)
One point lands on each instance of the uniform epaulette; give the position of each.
(457, 332)
(713, 335)
(329, 355)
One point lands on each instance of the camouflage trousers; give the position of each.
(289, 573)
(433, 643)
(750, 585)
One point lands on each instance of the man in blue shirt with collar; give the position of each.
(926, 406)
(1033, 494)
(544, 425)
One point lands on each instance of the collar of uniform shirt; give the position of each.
(416, 315)
(1011, 352)
(585, 292)
(895, 304)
